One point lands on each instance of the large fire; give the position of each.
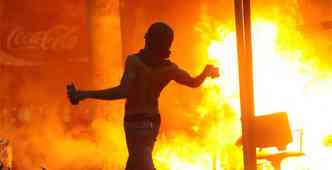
(283, 81)
(288, 76)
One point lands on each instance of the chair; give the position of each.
(273, 130)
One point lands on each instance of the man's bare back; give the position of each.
(145, 83)
(145, 76)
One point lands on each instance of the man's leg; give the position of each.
(140, 157)
(140, 143)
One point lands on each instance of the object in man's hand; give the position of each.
(212, 71)
(215, 72)
(72, 94)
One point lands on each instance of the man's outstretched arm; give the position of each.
(75, 96)
(182, 77)
(113, 93)
(118, 92)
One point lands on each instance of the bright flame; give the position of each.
(282, 82)
(285, 80)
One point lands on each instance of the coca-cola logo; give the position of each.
(56, 38)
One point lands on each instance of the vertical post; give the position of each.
(244, 46)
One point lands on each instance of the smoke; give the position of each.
(46, 131)
(199, 126)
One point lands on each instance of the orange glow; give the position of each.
(283, 81)
(288, 76)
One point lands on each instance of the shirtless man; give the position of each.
(146, 74)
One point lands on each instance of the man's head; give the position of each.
(159, 38)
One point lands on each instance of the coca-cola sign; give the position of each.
(53, 39)
(41, 31)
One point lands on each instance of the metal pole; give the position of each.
(243, 30)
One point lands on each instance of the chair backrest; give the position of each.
(272, 130)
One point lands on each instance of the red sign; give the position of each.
(37, 31)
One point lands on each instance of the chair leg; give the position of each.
(276, 164)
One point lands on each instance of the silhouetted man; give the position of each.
(146, 74)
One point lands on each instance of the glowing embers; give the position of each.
(6, 154)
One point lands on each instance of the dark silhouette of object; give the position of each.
(74, 98)
(146, 74)
(273, 130)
